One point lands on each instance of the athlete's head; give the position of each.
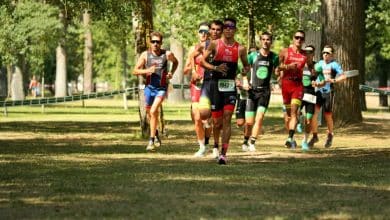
(156, 40)
(216, 28)
(229, 27)
(309, 49)
(299, 38)
(203, 31)
(327, 53)
(266, 40)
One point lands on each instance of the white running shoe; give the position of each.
(150, 146)
(215, 153)
(252, 148)
(245, 147)
(201, 152)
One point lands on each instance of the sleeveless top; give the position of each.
(262, 68)
(227, 54)
(159, 77)
(292, 57)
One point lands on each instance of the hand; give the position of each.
(223, 68)
(238, 83)
(314, 84)
(151, 70)
(245, 84)
(292, 66)
(169, 75)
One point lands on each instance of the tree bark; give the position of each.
(177, 95)
(3, 83)
(17, 90)
(142, 25)
(88, 56)
(61, 60)
(383, 77)
(251, 26)
(344, 29)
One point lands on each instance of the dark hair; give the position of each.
(205, 23)
(156, 34)
(310, 45)
(268, 34)
(231, 20)
(217, 22)
(301, 31)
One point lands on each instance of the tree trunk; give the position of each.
(88, 84)
(17, 91)
(344, 29)
(251, 27)
(383, 77)
(177, 95)
(124, 76)
(142, 25)
(9, 80)
(61, 57)
(3, 83)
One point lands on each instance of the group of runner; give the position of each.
(217, 84)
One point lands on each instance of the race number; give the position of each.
(226, 85)
(309, 98)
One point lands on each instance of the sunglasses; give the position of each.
(155, 41)
(203, 31)
(229, 26)
(326, 53)
(299, 38)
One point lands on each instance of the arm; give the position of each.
(139, 68)
(281, 67)
(212, 50)
(171, 57)
(246, 69)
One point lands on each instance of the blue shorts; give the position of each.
(152, 92)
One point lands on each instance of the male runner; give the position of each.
(220, 91)
(292, 61)
(333, 73)
(197, 72)
(309, 95)
(242, 96)
(264, 62)
(154, 64)
(216, 28)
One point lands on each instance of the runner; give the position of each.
(309, 95)
(263, 64)
(154, 64)
(292, 61)
(333, 73)
(197, 72)
(219, 94)
(216, 28)
(242, 96)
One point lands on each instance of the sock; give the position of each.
(246, 138)
(216, 145)
(291, 134)
(151, 139)
(253, 140)
(157, 132)
(206, 140)
(315, 135)
(201, 144)
(224, 148)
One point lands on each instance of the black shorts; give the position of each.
(325, 100)
(240, 108)
(257, 98)
(309, 107)
(215, 99)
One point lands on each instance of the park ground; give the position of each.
(90, 162)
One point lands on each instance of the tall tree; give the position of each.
(143, 25)
(344, 29)
(88, 74)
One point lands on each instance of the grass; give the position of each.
(74, 162)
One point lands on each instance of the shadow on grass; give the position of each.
(347, 184)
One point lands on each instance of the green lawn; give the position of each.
(75, 162)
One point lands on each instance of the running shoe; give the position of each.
(299, 128)
(329, 140)
(201, 152)
(157, 142)
(290, 143)
(222, 159)
(245, 147)
(305, 146)
(215, 153)
(252, 148)
(312, 141)
(151, 146)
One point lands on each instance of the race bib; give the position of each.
(309, 98)
(226, 85)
